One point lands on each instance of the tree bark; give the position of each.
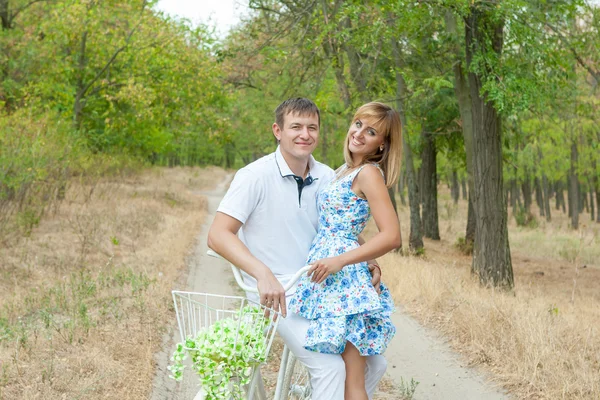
(574, 188)
(401, 184)
(415, 240)
(539, 196)
(429, 187)
(463, 97)
(5, 15)
(546, 188)
(526, 188)
(515, 196)
(561, 195)
(491, 253)
(598, 202)
(596, 188)
(455, 188)
(581, 197)
(471, 223)
(592, 207)
(583, 203)
(569, 196)
(463, 183)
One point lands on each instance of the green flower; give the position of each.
(224, 354)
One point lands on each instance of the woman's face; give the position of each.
(364, 139)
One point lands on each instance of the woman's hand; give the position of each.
(321, 269)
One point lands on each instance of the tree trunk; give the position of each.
(471, 222)
(569, 196)
(592, 208)
(574, 187)
(562, 199)
(455, 188)
(596, 187)
(539, 196)
(463, 97)
(546, 188)
(429, 187)
(401, 184)
(557, 195)
(5, 15)
(463, 183)
(392, 194)
(597, 201)
(526, 188)
(515, 197)
(581, 197)
(415, 240)
(491, 253)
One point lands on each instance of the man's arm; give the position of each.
(374, 269)
(222, 238)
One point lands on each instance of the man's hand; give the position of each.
(271, 292)
(321, 269)
(376, 275)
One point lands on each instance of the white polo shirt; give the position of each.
(278, 211)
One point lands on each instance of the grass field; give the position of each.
(84, 299)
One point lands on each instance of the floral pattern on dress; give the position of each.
(346, 306)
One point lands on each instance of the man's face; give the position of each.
(298, 136)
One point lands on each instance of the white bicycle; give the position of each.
(198, 311)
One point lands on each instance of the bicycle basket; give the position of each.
(246, 327)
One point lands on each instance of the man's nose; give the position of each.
(304, 131)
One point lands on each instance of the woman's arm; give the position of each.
(370, 183)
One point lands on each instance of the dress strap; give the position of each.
(355, 172)
(380, 170)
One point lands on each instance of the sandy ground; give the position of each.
(416, 352)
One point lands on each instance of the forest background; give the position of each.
(498, 99)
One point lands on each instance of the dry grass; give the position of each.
(541, 341)
(83, 299)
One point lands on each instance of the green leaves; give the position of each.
(224, 353)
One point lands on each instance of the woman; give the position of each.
(347, 314)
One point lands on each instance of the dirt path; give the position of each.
(200, 279)
(421, 354)
(416, 353)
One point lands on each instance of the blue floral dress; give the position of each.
(346, 306)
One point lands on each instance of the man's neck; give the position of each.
(299, 167)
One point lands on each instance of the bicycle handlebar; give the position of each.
(243, 286)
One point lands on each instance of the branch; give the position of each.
(114, 56)
(593, 72)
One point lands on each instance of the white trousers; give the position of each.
(327, 371)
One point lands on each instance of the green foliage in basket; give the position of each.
(224, 353)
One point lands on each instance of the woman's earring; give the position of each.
(381, 148)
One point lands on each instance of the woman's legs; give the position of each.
(355, 374)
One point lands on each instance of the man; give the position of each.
(271, 204)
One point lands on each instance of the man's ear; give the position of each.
(276, 131)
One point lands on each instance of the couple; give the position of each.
(285, 206)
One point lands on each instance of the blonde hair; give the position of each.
(385, 119)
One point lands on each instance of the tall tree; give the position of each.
(491, 253)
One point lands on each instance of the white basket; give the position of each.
(199, 311)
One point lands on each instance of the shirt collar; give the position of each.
(284, 168)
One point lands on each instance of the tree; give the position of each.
(491, 253)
